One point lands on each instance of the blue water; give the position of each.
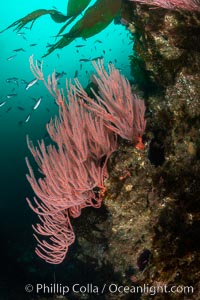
(15, 215)
(116, 46)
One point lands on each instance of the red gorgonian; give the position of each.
(84, 133)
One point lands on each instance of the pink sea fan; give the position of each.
(72, 169)
(65, 189)
(190, 5)
(82, 131)
(59, 236)
(122, 111)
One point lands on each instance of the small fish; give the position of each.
(76, 73)
(21, 33)
(46, 136)
(2, 103)
(18, 50)
(23, 81)
(10, 80)
(37, 103)
(11, 96)
(9, 108)
(11, 57)
(32, 45)
(98, 41)
(20, 108)
(98, 57)
(79, 46)
(27, 118)
(34, 99)
(84, 59)
(31, 83)
(60, 75)
(49, 45)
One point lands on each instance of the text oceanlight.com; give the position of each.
(112, 288)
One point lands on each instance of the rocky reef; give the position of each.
(147, 231)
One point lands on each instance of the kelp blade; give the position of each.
(75, 7)
(96, 18)
(31, 17)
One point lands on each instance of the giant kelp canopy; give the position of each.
(95, 19)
